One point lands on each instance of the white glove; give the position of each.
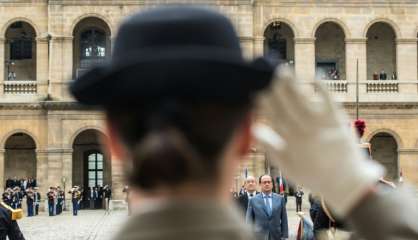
(313, 145)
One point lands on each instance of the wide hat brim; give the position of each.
(198, 75)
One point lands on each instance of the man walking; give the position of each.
(268, 212)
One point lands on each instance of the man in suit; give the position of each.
(250, 185)
(267, 211)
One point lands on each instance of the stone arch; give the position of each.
(80, 18)
(391, 23)
(9, 134)
(385, 150)
(20, 19)
(337, 21)
(330, 54)
(381, 50)
(279, 19)
(397, 137)
(82, 129)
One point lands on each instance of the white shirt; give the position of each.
(249, 194)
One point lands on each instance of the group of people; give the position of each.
(22, 183)
(266, 210)
(14, 198)
(93, 197)
(383, 76)
(332, 74)
(56, 200)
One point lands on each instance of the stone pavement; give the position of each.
(95, 224)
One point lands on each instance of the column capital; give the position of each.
(305, 40)
(41, 40)
(246, 38)
(259, 38)
(2, 40)
(356, 40)
(406, 41)
(2, 150)
(62, 38)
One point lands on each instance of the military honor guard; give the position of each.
(75, 199)
(51, 201)
(30, 201)
(37, 199)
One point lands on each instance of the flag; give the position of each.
(281, 186)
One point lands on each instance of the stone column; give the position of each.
(67, 166)
(247, 47)
(2, 64)
(61, 68)
(305, 62)
(356, 49)
(258, 46)
(68, 66)
(2, 172)
(118, 180)
(42, 66)
(406, 65)
(42, 170)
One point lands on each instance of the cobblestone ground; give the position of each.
(95, 224)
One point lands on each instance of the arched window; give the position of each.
(95, 169)
(279, 43)
(92, 47)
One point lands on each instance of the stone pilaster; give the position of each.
(2, 65)
(356, 49)
(61, 70)
(258, 46)
(42, 65)
(2, 173)
(406, 65)
(305, 62)
(42, 170)
(67, 170)
(118, 180)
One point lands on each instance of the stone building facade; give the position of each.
(44, 44)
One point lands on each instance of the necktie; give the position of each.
(267, 202)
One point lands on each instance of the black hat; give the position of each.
(174, 52)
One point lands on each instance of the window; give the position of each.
(95, 169)
(93, 44)
(21, 49)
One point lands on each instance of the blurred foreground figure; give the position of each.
(178, 98)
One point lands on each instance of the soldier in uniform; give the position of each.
(7, 196)
(9, 229)
(51, 201)
(60, 200)
(37, 199)
(30, 200)
(75, 199)
(179, 113)
(107, 195)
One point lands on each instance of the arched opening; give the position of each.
(330, 52)
(20, 161)
(385, 151)
(91, 163)
(91, 44)
(20, 52)
(279, 43)
(381, 52)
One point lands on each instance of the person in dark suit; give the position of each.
(383, 75)
(267, 211)
(37, 199)
(250, 186)
(298, 197)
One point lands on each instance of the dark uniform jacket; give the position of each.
(187, 221)
(243, 201)
(9, 227)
